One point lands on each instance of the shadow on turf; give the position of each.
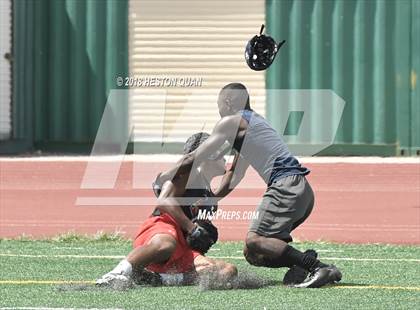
(245, 281)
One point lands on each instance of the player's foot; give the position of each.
(321, 276)
(296, 274)
(115, 281)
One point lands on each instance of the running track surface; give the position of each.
(355, 203)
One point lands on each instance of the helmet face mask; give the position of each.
(260, 51)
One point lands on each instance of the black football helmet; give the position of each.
(261, 50)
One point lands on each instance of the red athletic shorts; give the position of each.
(182, 259)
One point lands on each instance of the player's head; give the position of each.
(233, 97)
(212, 167)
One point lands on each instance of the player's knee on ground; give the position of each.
(226, 270)
(215, 274)
(230, 270)
(223, 269)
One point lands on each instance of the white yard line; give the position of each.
(63, 256)
(415, 260)
(46, 308)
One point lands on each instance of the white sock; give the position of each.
(124, 267)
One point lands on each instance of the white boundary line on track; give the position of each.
(137, 223)
(163, 158)
(415, 260)
(242, 222)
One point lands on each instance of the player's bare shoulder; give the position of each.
(231, 123)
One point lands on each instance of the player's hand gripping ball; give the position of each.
(203, 236)
(261, 50)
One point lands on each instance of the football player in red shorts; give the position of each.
(165, 254)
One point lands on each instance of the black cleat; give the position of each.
(321, 276)
(296, 274)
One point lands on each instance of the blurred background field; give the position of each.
(61, 58)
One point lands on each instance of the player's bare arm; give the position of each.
(167, 202)
(227, 129)
(232, 177)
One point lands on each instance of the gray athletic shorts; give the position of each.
(285, 205)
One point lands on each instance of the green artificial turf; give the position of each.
(392, 282)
